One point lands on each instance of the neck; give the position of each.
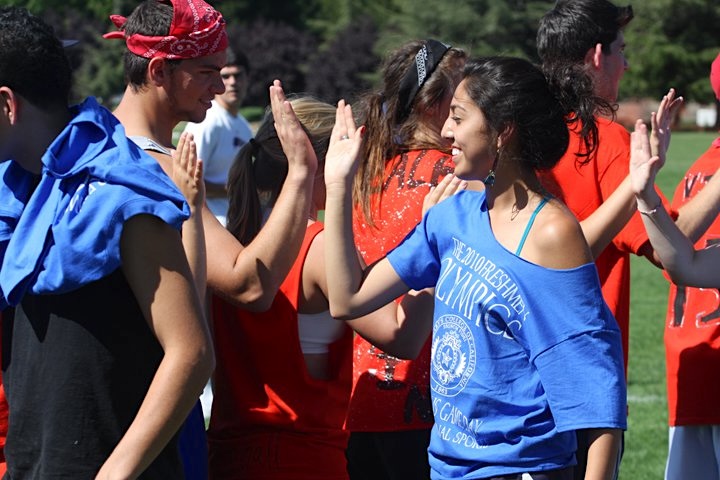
(45, 127)
(513, 187)
(232, 109)
(143, 113)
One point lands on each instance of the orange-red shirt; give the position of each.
(391, 394)
(584, 188)
(692, 328)
(270, 419)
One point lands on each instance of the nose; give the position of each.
(446, 131)
(218, 85)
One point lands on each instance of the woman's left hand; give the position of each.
(448, 186)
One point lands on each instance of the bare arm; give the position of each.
(609, 219)
(398, 329)
(603, 453)
(187, 173)
(251, 275)
(683, 263)
(154, 264)
(352, 291)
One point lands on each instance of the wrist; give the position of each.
(649, 206)
(300, 175)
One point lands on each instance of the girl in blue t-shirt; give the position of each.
(524, 350)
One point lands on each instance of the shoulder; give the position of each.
(559, 242)
(610, 130)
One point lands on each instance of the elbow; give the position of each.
(405, 352)
(205, 363)
(678, 277)
(253, 298)
(340, 312)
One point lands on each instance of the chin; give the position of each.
(197, 117)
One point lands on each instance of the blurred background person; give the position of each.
(223, 132)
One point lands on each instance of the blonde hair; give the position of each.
(261, 165)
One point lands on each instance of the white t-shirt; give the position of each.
(219, 138)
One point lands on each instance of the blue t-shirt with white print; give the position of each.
(522, 355)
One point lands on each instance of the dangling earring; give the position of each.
(490, 179)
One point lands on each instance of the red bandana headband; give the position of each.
(197, 30)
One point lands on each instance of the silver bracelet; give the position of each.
(652, 210)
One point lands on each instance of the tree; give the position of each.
(274, 50)
(345, 68)
(671, 44)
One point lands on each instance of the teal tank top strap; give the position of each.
(530, 224)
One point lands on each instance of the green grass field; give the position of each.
(646, 438)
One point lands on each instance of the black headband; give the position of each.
(426, 61)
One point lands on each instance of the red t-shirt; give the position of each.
(270, 419)
(692, 329)
(583, 189)
(391, 394)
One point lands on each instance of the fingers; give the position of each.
(199, 170)
(448, 186)
(349, 122)
(180, 155)
(277, 99)
(640, 143)
(339, 131)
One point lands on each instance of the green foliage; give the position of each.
(101, 73)
(95, 9)
(483, 27)
(671, 44)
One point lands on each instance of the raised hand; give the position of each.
(448, 186)
(643, 165)
(294, 140)
(661, 123)
(187, 171)
(341, 161)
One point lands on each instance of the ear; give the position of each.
(9, 105)
(503, 137)
(593, 57)
(158, 71)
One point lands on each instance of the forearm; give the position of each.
(193, 239)
(609, 219)
(603, 453)
(344, 271)
(696, 216)
(251, 275)
(671, 247)
(399, 329)
(174, 390)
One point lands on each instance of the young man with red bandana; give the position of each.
(176, 50)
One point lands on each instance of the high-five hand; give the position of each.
(341, 161)
(294, 140)
(187, 171)
(661, 123)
